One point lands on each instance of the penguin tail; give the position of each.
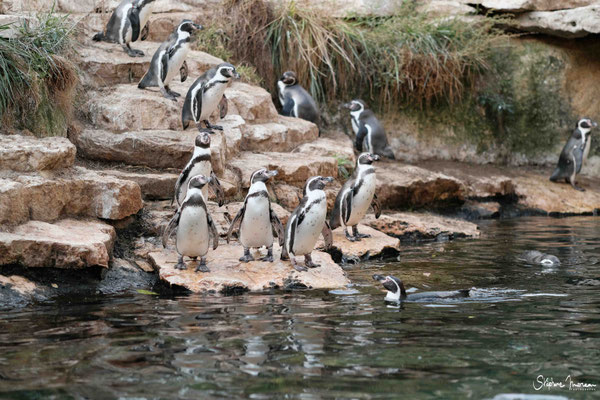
(555, 175)
(98, 37)
(142, 84)
(185, 124)
(334, 222)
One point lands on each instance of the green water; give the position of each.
(522, 321)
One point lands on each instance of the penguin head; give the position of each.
(586, 124)
(203, 140)
(198, 182)
(188, 26)
(262, 175)
(393, 285)
(227, 71)
(367, 158)
(289, 78)
(317, 183)
(355, 105)
(139, 4)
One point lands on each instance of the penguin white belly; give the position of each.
(211, 99)
(307, 233)
(124, 36)
(145, 15)
(586, 151)
(368, 143)
(281, 87)
(192, 233)
(176, 62)
(362, 200)
(255, 230)
(297, 100)
(200, 168)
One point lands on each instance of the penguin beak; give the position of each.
(328, 179)
(236, 75)
(379, 278)
(271, 174)
(374, 157)
(198, 26)
(594, 124)
(347, 105)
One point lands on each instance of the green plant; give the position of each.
(344, 166)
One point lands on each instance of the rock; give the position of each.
(154, 186)
(252, 103)
(26, 153)
(354, 8)
(67, 243)
(519, 6)
(378, 244)
(472, 209)
(283, 135)
(287, 195)
(229, 275)
(106, 64)
(11, 23)
(421, 226)
(445, 8)
(293, 168)
(124, 276)
(574, 23)
(17, 291)
(339, 147)
(163, 23)
(407, 186)
(74, 191)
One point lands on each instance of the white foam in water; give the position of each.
(439, 305)
(344, 291)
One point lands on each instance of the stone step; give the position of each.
(92, 6)
(66, 243)
(74, 191)
(28, 153)
(283, 135)
(379, 244)
(106, 64)
(154, 186)
(339, 146)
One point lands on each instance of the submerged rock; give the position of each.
(537, 257)
(123, 276)
(17, 291)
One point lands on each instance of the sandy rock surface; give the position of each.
(28, 153)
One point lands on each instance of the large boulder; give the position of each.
(252, 103)
(28, 153)
(520, 6)
(284, 134)
(573, 23)
(339, 146)
(71, 192)
(377, 245)
(64, 244)
(154, 185)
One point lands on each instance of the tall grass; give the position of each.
(36, 79)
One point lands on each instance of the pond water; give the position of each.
(522, 321)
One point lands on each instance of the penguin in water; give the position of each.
(194, 226)
(296, 101)
(256, 218)
(169, 60)
(127, 24)
(355, 197)
(307, 222)
(574, 154)
(370, 135)
(397, 293)
(537, 257)
(206, 94)
(199, 164)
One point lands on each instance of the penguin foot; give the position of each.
(267, 258)
(211, 126)
(362, 236)
(309, 262)
(175, 94)
(180, 264)
(202, 266)
(297, 266)
(247, 258)
(167, 95)
(351, 238)
(135, 53)
(358, 236)
(578, 188)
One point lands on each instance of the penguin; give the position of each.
(397, 293)
(206, 94)
(296, 101)
(370, 135)
(194, 226)
(128, 23)
(169, 60)
(574, 154)
(256, 218)
(199, 164)
(355, 197)
(306, 223)
(537, 257)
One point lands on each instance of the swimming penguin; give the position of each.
(199, 164)
(256, 218)
(396, 291)
(370, 135)
(355, 197)
(307, 222)
(206, 94)
(296, 101)
(128, 23)
(537, 257)
(574, 154)
(194, 226)
(169, 60)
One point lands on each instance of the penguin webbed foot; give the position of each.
(167, 95)
(309, 262)
(133, 52)
(180, 264)
(357, 235)
(247, 257)
(269, 256)
(211, 126)
(349, 237)
(297, 266)
(202, 266)
(172, 92)
(578, 188)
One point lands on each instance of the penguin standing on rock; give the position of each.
(199, 164)
(296, 101)
(206, 94)
(355, 197)
(307, 222)
(194, 226)
(256, 218)
(128, 23)
(169, 60)
(574, 154)
(370, 135)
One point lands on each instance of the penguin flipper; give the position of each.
(288, 107)
(360, 137)
(276, 225)
(172, 226)
(215, 185)
(327, 235)
(182, 177)
(134, 21)
(213, 230)
(236, 221)
(223, 107)
(164, 62)
(376, 206)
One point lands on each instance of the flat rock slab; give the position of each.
(339, 147)
(228, 274)
(154, 186)
(573, 23)
(416, 226)
(378, 244)
(67, 243)
(28, 153)
(283, 134)
(252, 103)
(74, 191)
